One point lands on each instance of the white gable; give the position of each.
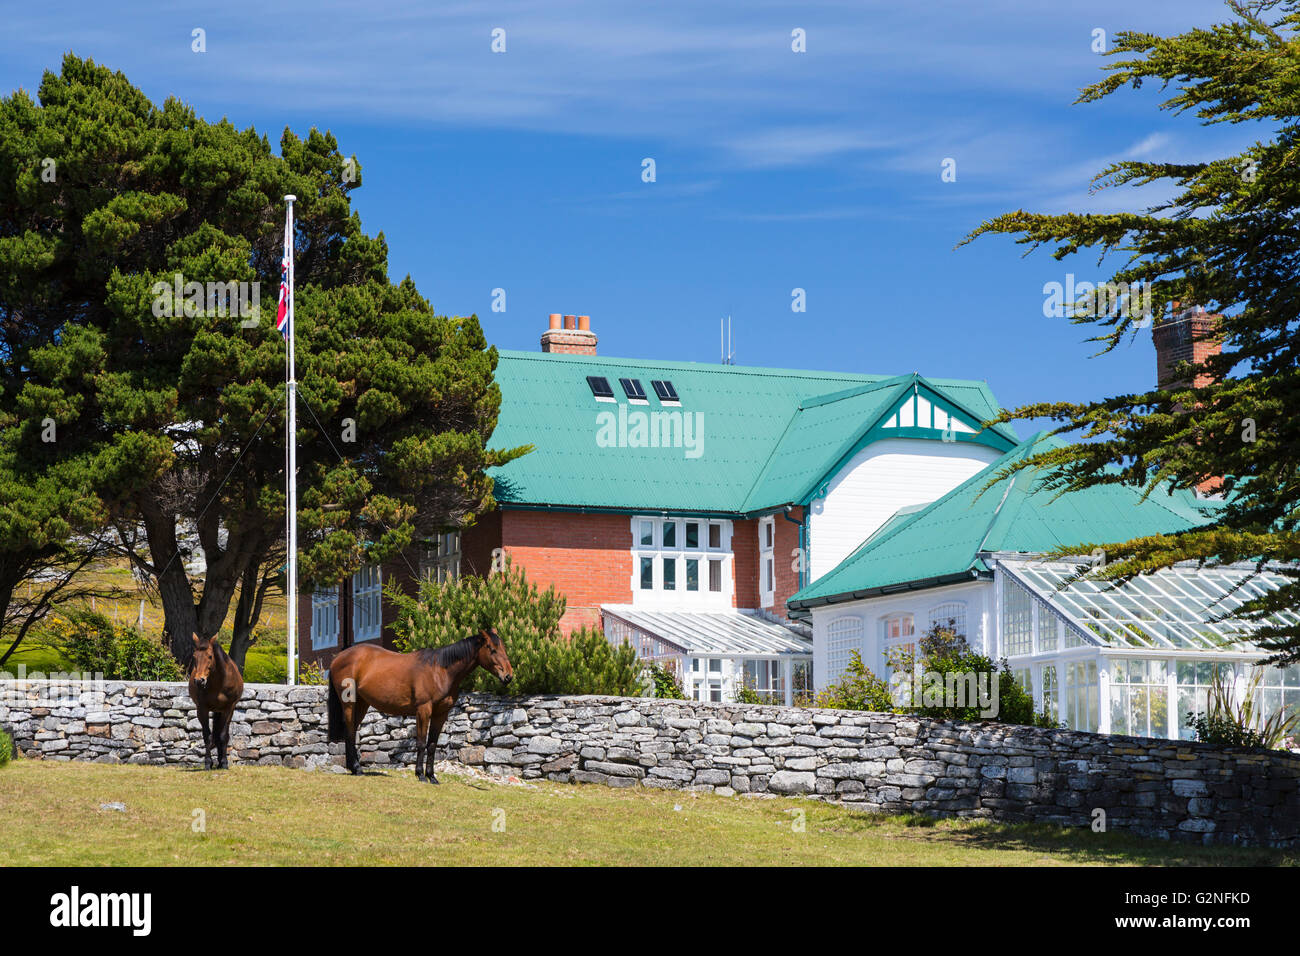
(885, 476)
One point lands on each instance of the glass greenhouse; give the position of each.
(1140, 657)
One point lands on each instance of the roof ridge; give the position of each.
(864, 378)
(843, 394)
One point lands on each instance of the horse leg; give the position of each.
(207, 737)
(435, 731)
(222, 730)
(422, 716)
(353, 715)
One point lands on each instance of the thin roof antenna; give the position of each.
(724, 336)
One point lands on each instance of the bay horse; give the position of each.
(215, 686)
(422, 683)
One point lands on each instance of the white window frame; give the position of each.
(367, 603)
(889, 641)
(440, 557)
(325, 618)
(948, 610)
(766, 561)
(678, 553)
(843, 636)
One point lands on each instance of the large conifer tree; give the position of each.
(170, 413)
(1229, 241)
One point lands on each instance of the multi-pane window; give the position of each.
(953, 614)
(1050, 701)
(843, 636)
(715, 575)
(367, 591)
(1139, 698)
(440, 557)
(801, 680)
(1278, 689)
(899, 640)
(766, 678)
(1017, 619)
(325, 618)
(1080, 704)
(681, 556)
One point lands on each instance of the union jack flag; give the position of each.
(282, 309)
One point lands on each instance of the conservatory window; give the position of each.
(1139, 698)
(765, 677)
(1017, 619)
(801, 680)
(1081, 696)
(1050, 700)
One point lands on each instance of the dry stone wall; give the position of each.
(879, 762)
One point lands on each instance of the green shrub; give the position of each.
(667, 686)
(857, 689)
(96, 646)
(310, 673)
(8, 749)
(945, 653)
(528, 621)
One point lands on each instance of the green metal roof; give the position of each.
(942, 542)
(768, 436)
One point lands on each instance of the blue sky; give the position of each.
(775, 170)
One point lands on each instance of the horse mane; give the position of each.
(450, 654)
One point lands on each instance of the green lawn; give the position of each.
(271, 815)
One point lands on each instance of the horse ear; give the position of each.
(194, 635)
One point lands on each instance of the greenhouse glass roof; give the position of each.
(1178, 608)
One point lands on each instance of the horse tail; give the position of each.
(335, 714)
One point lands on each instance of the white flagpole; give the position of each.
(291, 477)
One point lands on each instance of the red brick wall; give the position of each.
(587, 557)
(744, 548)
(478, 542)
(744, 545)
(787, 541)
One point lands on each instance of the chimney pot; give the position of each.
(570, 335)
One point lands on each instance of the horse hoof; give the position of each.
(433, 779)
(421, 777)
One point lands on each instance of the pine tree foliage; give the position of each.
(1227, 239)
(170, 411)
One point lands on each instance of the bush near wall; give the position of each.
(528, 621)
(8, 751)
(96, 645)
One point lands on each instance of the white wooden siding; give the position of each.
(885, 476)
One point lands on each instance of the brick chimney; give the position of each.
(1187, 336)
(574, 337)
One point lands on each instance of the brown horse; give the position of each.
(423, 683)
(215, 686)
